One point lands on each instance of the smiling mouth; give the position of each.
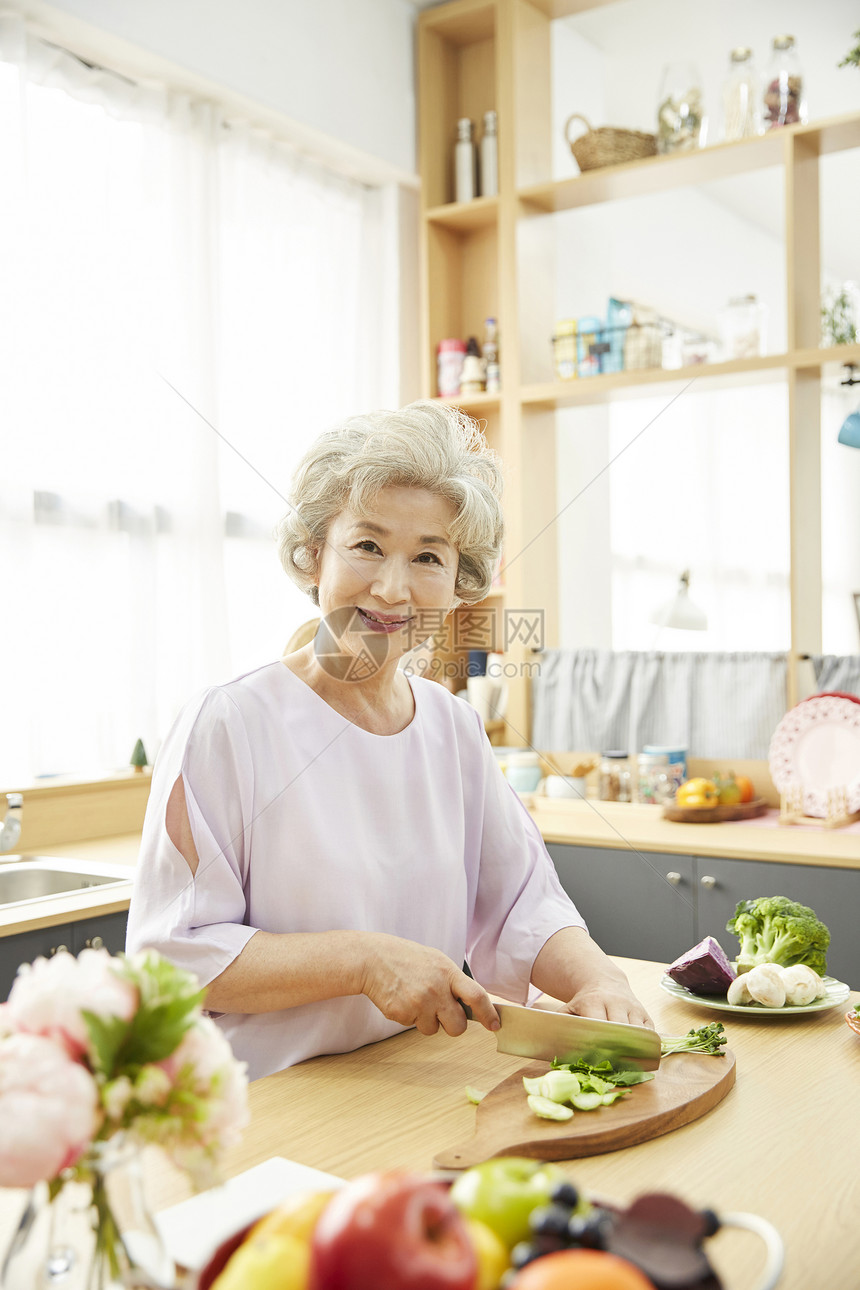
(380, 622)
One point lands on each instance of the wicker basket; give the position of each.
(607, 146)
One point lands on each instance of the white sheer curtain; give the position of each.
(143, 241)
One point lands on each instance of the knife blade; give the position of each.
(561, 1036)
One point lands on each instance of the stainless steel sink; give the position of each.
(27, 878)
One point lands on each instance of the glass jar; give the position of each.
(681, 120)
(743, 327)
(655, 779)
(614, 777)
(741, 97)
(676, 757)
(784, 95)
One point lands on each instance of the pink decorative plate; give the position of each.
(816, 748)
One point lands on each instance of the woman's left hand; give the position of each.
(609, 1000)
(571, 966)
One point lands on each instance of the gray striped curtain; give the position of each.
(837, 672)
(715, 705)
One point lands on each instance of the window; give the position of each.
(186, 304)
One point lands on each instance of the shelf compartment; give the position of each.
(482, 212)
(660, 174)
(462, 276)
(457, 78)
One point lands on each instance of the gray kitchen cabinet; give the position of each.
(107, 930)
(833, 893)
(640, 904)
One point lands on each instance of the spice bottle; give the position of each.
(741, 97)
(784, 97)
(472, 376)
(614, 777)
(449, 367)
(489, 157)
(491, 357)
(465, 163)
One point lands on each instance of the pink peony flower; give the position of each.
(204, 1062)
(48, 995)
(7, 1025)
(48, 1110)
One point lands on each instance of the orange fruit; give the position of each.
(581, 1270)
(745, 784)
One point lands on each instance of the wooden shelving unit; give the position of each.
(491, 257)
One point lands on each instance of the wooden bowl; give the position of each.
(714, 814)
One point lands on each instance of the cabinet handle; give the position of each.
(709, 881)
(673, 878)
(58, 949)
(94, 943)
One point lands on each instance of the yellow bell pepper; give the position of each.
(697, 793)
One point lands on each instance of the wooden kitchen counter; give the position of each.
(631, 826)
(782, 1144)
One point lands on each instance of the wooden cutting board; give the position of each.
(686, 1086)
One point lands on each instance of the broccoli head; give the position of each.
(774, 929)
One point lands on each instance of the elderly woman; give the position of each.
(329, 839)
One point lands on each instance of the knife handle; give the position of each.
(465, 1007)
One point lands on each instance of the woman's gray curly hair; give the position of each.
(424, 445)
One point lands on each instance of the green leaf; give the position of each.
(627, 1078)
(106, 1035)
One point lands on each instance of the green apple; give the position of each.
(503, 1192)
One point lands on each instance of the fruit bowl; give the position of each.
(218, 1260)
(714, 814)
(853, 1019)
(658, 1233)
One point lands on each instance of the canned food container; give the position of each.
(675, 756)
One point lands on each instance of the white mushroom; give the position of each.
(765, 985)
(738, 993)
(802, 984)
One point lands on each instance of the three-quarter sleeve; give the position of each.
(198, 921)
(518, 901)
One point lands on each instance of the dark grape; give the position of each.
(549, 1220)
(591, 1231)
(565, 1193)
(524, 1252)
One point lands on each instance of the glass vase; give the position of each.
(89, 1229)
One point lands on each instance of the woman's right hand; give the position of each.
(416, 985)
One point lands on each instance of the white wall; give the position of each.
(342, 68)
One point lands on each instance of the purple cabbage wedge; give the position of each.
(704, 969)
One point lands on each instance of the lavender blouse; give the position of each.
(304, 822)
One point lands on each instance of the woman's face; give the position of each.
(386, 579)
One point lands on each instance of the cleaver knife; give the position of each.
(563, 1037)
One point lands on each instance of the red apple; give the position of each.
(392, 1231)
